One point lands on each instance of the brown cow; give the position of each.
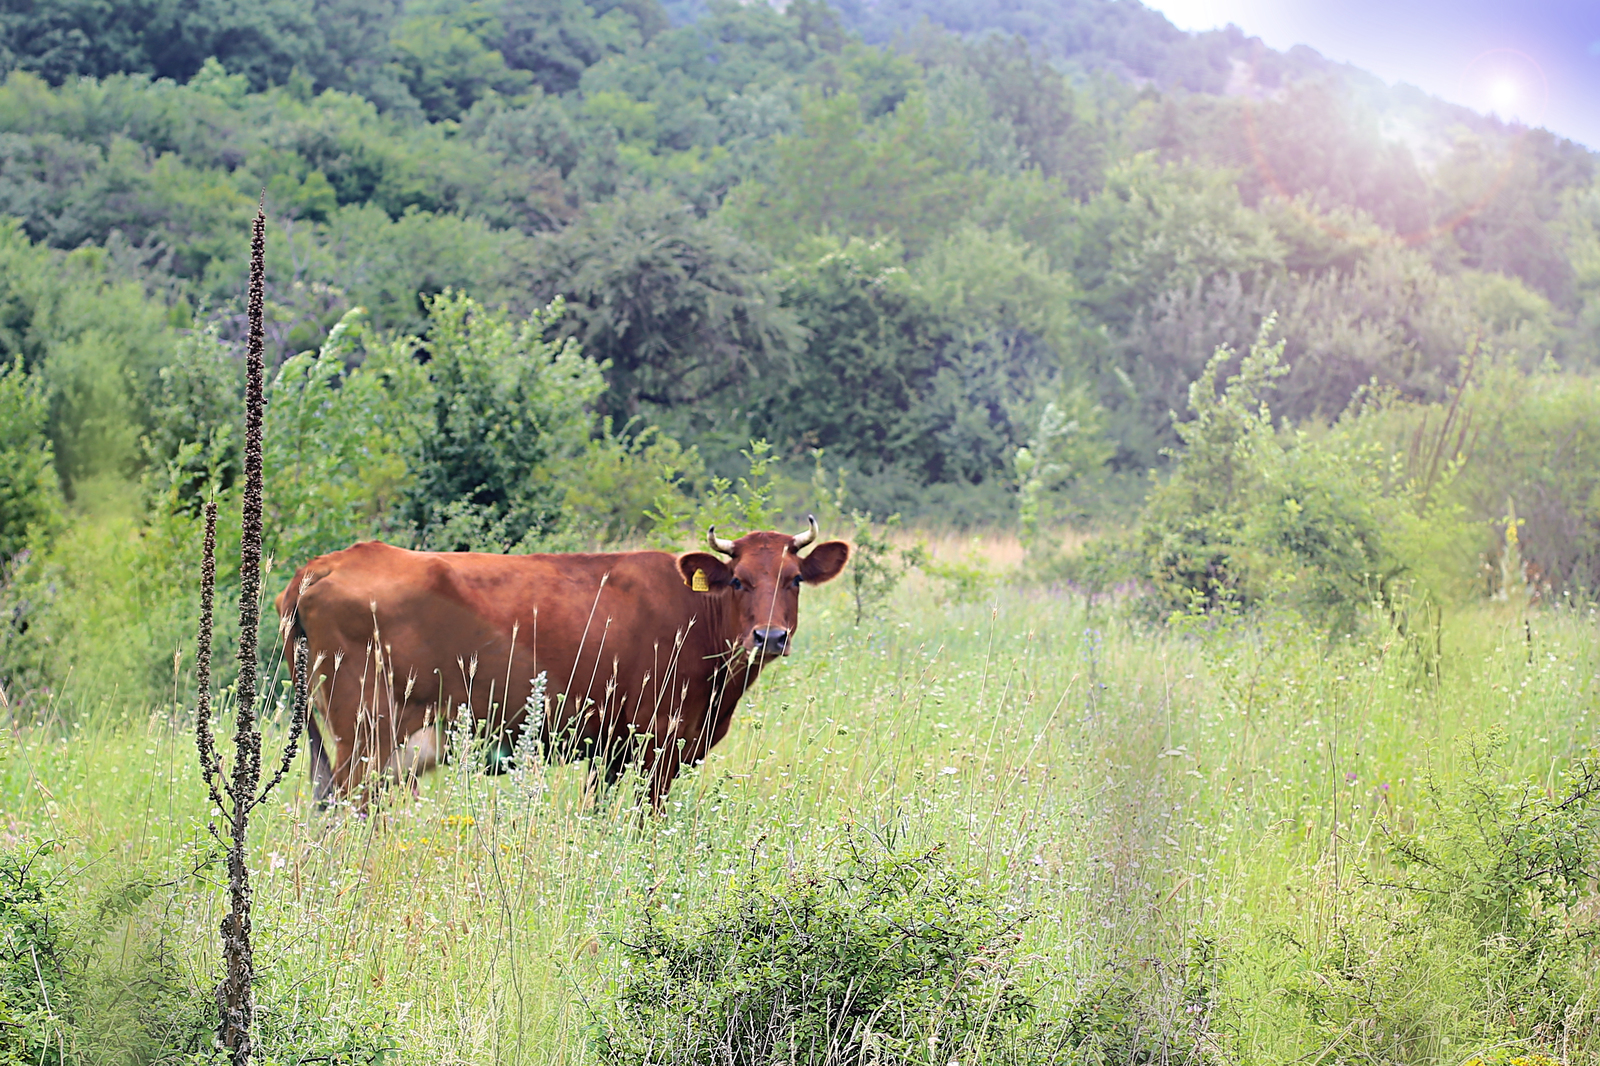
(645, 654)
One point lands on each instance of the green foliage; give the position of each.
(897, 175)
(63, 39)
(920, 375)
(876, 567)
(94, 343)
(1193, 527)
(610, 491)
(1475, 906)
(1503, 435)
(447, 62)
(507, 405)
(341, 443)
(1251, 515)
(1510, 858)
(1531, 439)
(1104, 564)
(683, 510)
(30, 494)
(88, 977)
(676, 307)
(877, 959)
(36, 987)
(101, 613)
(961, 581)
(1154, 228)
(1066, 450)
(195, 438)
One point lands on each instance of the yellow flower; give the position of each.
(1512, 1057)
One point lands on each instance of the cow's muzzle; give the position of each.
(771, 640)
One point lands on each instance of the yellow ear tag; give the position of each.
(700, 584)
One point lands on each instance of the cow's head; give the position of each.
(759, 583)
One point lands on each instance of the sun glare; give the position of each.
(1509, 83)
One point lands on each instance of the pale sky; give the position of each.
(1537, 61)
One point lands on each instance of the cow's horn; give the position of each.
(717, 543)
(802, 539)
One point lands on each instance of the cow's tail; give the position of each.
(294, 632)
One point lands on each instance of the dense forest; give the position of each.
(541, 271)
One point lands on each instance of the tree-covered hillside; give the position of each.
(917, 237)
(691, 190)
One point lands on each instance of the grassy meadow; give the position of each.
(1204, 824)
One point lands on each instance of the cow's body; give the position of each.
(637, 662)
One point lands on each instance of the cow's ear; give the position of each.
(703, 571)
(824, 562)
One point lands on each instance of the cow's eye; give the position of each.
(798, 581)
(735, 584)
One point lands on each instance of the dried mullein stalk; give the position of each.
(235, 995)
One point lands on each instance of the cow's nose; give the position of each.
(773, 639)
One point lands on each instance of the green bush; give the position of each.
(36, 988)
(195, 443)
(30, 494)
(891, 956)
(94, 620)
(1536, 443)
(1254, 515)
(876, 568)
(507, 407)
(341, 444)
(88, 975)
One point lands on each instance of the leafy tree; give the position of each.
(1092, 36)
(1068, 449)
(923, 374)
(1155, 228)
(1014, 88)
(1533, 443)
(356, 56)
(341, 443)
(62, 39)
(94, 344)
(195, 437)
(555, 41)
(1501, 206)
(1251, 516)
(1315, 143)
(448, 64)
(1580, 231)
(675, 307)
(842, 173)
(506, 407)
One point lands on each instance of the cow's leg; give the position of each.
(322, 781)
(343, 715)
(358, 723)
(377, 750)
(419, 753)
(405, 744)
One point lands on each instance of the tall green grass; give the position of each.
(1195, 819)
